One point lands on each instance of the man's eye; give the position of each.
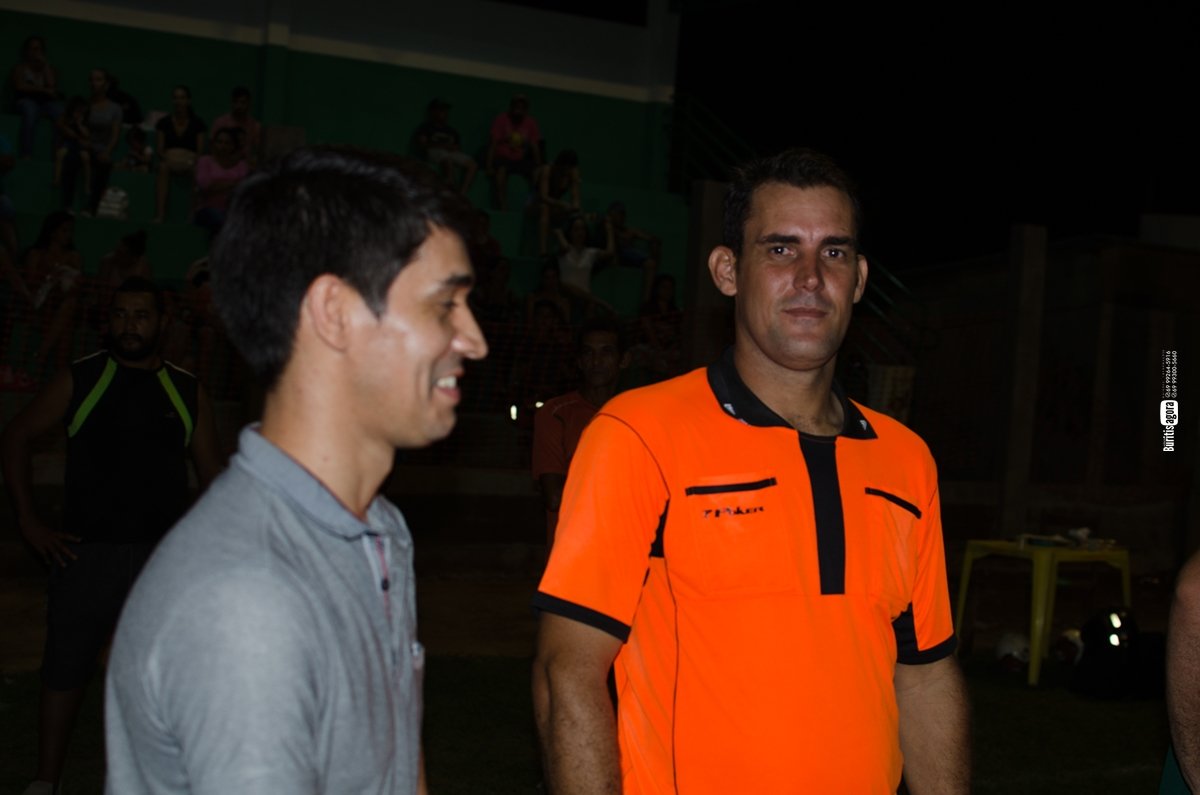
(835, 253)
(778, 251)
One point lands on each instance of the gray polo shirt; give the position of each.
(269, 645)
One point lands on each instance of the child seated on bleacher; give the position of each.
(139, 154)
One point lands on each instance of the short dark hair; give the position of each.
(800, 168)
(239, 92)
(140, 284)
(603, 324)
(355, 214)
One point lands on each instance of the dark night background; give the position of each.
(959, 123)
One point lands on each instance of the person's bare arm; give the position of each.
(572, 707)
(1183, 672)
(206, 449)
(44, 412)
(934, 731)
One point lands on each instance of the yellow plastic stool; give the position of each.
(1045, 561)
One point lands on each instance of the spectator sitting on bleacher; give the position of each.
(576, 259)
(180, 142)
(35, 83)
(52, 272)
(557, 193)
(71, 140)
(138, 154)
(217, 175)
(103, 122)
(440, 144)
(514, 147)
(247, 128)
(629, 254)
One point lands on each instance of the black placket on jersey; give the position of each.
(820, 458)
(820, 461)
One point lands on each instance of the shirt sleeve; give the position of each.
(238, 686)
(925, 632)
(613, 503)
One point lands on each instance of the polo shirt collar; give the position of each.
(277, 469)
(736, 400)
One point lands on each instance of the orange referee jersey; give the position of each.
(765, 583)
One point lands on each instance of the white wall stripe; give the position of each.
(278, 34)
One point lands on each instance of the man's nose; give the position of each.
(469, 341)
(808, 274)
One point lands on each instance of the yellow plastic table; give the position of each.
(1045, 561)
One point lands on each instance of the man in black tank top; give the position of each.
(131, 420)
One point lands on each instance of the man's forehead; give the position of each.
(133, 301)
(599, 339)
(441, 261)
(776, 203)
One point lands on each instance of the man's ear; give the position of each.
(328, 310)
(722, 264)
(626, 359)
(862, 278)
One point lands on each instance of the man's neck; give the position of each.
(318, 437)
(598, 395)
(148, 363)
(804, 398)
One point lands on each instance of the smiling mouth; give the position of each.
(447, 382)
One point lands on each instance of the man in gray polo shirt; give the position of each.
(270, 644)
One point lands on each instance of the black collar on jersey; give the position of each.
(739, 402)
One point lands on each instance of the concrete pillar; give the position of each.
(1102, 377)
(1027, 260)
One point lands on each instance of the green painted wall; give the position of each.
(622, 143)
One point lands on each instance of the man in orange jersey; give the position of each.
(759, 558)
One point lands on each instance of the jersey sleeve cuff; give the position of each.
(932, 654)
(584, 615)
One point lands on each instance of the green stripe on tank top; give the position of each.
(177, 402)
(93, 397)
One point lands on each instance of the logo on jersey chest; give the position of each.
(738, 510)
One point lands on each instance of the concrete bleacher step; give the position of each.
(171, 247)
(43, 136)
